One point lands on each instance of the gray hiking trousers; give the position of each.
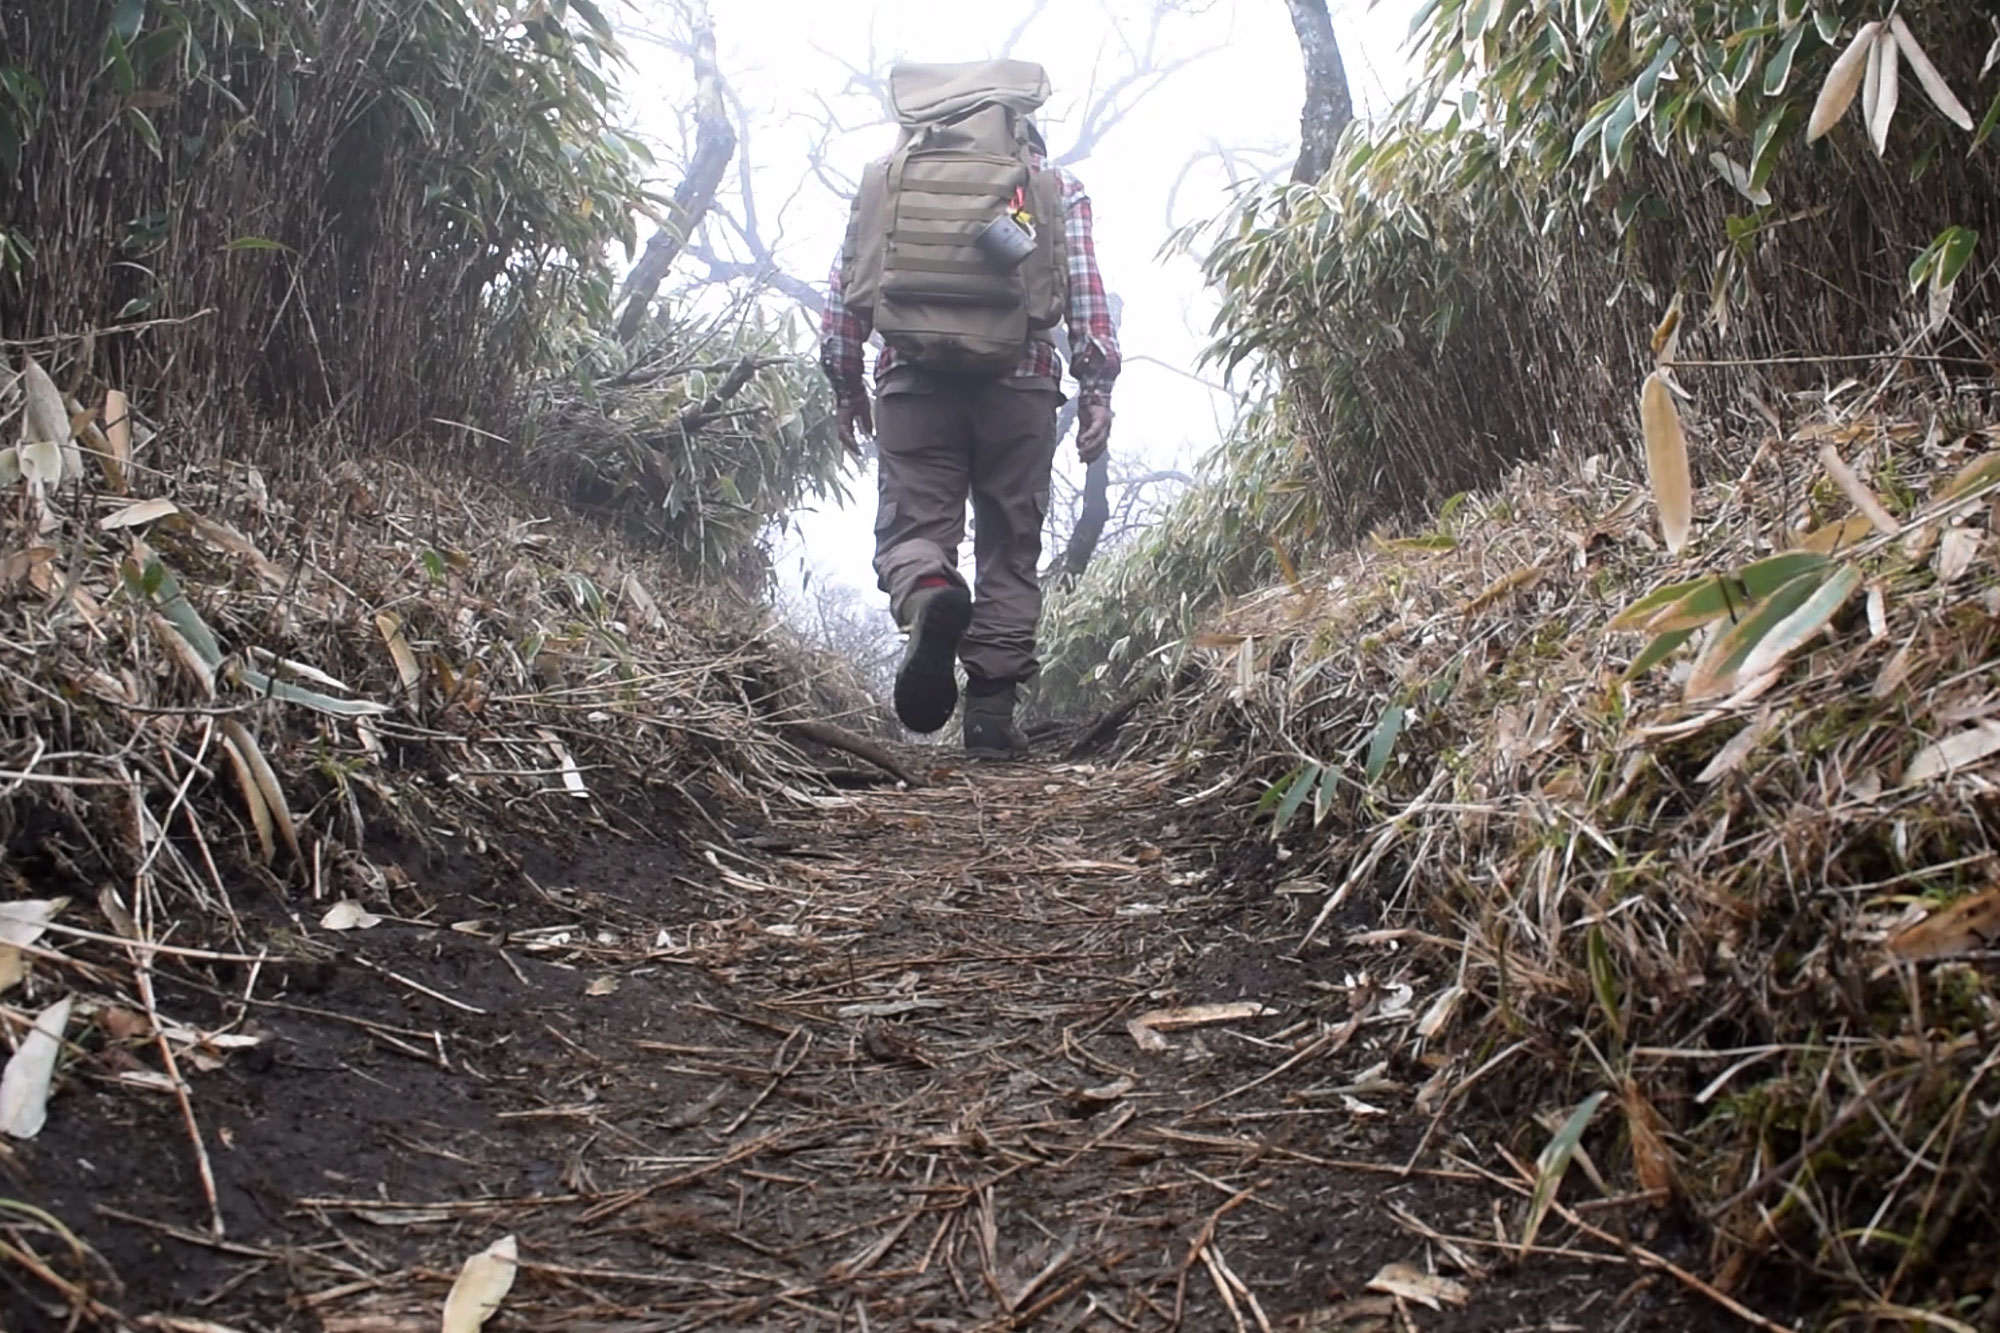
(940, 440)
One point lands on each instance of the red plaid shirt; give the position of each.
(1093, 342)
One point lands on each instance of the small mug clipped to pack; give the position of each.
(1008, 240)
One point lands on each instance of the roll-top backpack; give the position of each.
(955, 247)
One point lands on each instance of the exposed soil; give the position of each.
(865, 1067)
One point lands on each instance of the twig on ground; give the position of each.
(1199, 1245)
(417, 986)
(839, 738)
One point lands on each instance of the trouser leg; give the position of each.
(924, 448)
(1013, 450)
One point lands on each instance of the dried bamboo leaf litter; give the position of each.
(1682, 845)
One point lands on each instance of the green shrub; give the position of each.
(373, 213)
(1474, 282)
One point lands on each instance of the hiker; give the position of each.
(964, 250)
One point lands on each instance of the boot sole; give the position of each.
(927, 682)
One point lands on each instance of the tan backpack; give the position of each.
(914, 263)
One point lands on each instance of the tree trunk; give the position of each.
(714, 145)
(1328, 107)
(1096, 512)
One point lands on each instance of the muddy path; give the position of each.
(864, 1066)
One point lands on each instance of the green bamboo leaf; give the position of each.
(1329, 785)
(1954, 253)
(153, 49)
(1794, 630)
(156, 583)
(126, 18)
(1618, 127)
(143, 125)
(1648, 84)
(1553, 1164)
(1923, 264)
(1767, 143)
(1768, 575)
(1720, 671)
(118, 59)
(1636, 616)
(595, 18)
(1383, 743)
(1987, 124)
(421, 114)
(1778, 72)
(257, 682)
(1604, 980)
(1744, 63)
(1658, 651)
(1717, 597)
(1276, 791)
(1593, 125)
(584, 592)
(1478, 13)
(1295, 796)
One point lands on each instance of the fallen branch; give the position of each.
(839, 738)
(1111, 719)
(694, 418)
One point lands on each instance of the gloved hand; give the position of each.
(1093, 431)
(852, 417)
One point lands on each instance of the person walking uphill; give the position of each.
(964, 250)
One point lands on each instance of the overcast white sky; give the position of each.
(784, 59)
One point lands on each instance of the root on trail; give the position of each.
(839, 738)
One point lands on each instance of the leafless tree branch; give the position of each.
(867, 77)
(763, 271)
(1240, 166)
(715, 144)
(1012, 42)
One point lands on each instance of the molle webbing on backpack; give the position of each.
(911, 264)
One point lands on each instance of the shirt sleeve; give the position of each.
(1093, 338)
(843, 335)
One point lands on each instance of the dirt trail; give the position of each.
(868, 1067)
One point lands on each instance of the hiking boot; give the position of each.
(927, 682)
(990, 732)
